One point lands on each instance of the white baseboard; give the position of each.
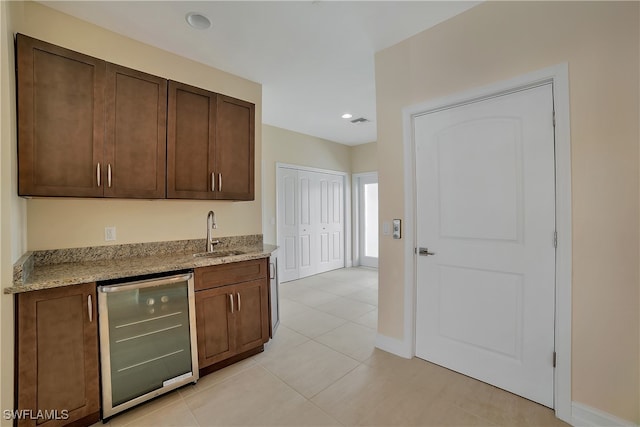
(586, 416)
(394, 346)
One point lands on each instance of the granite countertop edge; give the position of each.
(75, 273)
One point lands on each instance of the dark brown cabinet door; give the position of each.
(57, 355)
(232, 309)
(251, 315)
(214, 325)
(136, 138)
(191, 136)
(210, 145)
(60, 120)
(234, 150)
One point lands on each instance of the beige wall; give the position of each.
(500, 40)
(364, 158)
(56, 223)
(285, 146)
(12, 208)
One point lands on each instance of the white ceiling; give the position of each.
(314, 59)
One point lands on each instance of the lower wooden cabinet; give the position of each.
(231, 317)
(57, 356)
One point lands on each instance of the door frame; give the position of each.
(356, 202)
(346, 201)
(558, 75)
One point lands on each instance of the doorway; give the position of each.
(558, 75)
(485, 204)
(367, 225)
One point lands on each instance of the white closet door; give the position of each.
(307, 223)
(324, 214)
(331, 223)
(288, 224)
(335, 225)
(310, 222)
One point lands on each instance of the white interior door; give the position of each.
(486, 211)
(332, 219)
(308, 228)
(368, 220)
(288, 223)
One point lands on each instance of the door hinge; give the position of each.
(554, 359)
(555, 239)
(554, 118)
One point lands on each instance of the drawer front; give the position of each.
(228, 274)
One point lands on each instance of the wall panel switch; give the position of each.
(386, 228)
(109, 234)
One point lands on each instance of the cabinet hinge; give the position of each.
(555, 239)
(554, 359)
(554, 118)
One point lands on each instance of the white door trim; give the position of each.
(559, 76)
(355, 202)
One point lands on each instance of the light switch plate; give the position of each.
(386, 228)
(109, 234)
(397, 231)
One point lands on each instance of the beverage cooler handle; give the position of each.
(145, 283)
(90, 308)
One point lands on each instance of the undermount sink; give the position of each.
(219, 254)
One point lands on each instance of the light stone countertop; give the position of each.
(73, 273)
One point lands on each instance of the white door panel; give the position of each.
(485, 199)
(308, 229)
(288, 223)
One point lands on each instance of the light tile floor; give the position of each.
(322, 370)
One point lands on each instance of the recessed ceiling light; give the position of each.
(197, 20)
(347, 116)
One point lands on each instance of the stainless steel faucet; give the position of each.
(211, 224)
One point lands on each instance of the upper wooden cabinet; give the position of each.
(60, 120)
(87, 128)
(210, 145)
(235, 149)
(135, 151)
(191, 125)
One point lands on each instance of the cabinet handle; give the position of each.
(213, 181)
(98, 174)
(219, 182)
(239, 303)
(272, 271)
(231, 301)
(90, 308)
(109, 175)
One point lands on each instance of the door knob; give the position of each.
(425, 252)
